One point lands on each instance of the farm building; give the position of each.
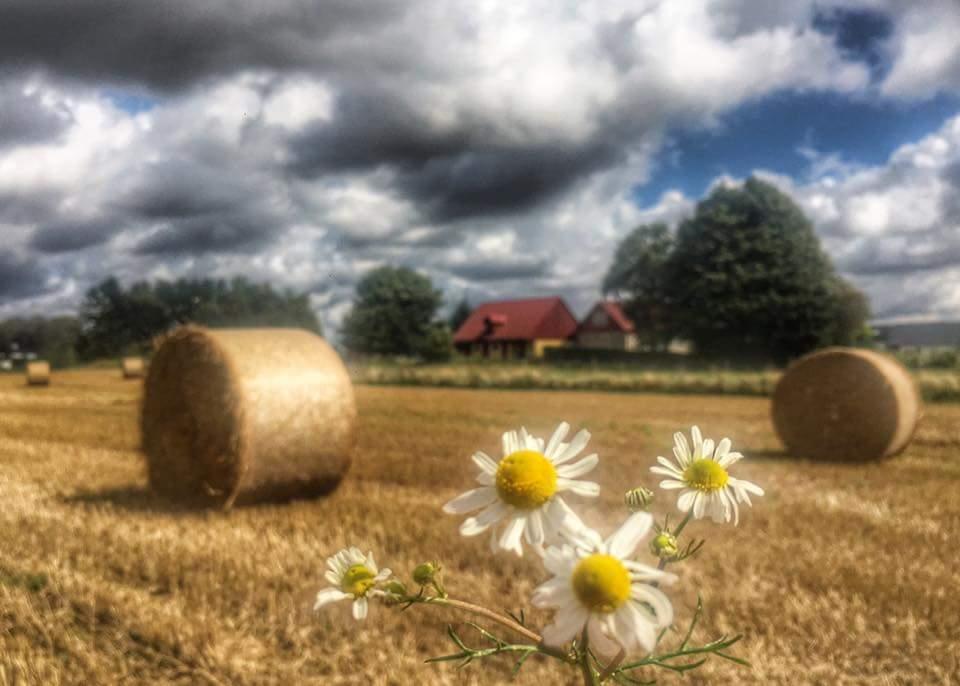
(606, 327)
(516, 329)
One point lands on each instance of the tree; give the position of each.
(117, 320)
(747, 276)
(850, 316)
(392, 312)
(637, 276)
(52, 339)
(460, 314)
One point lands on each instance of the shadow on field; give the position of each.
(130, 498)
(778, 454)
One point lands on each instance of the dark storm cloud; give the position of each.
(170, 44)
(501, 270)
(184, 188)
(942, 252)
(25, 119)
(20, 277)
(449, 174)
(224, 233)
(69, 236)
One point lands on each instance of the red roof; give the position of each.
(518, 320)
(616, 320)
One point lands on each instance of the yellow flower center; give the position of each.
(601, 582)
(357, 580)
(526, 479)
(705, 475)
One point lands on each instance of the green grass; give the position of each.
(935, 385)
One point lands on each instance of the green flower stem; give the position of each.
(613, 666)
(484, 612)
(589, 676)
(686, 519)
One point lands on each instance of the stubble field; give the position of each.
(840, 575)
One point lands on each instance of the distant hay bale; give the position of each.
(38, 373)
(246, 415)
(846, 404)
(133, 368)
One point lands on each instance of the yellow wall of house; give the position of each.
(541, 344)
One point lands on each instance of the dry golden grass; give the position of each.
(842, 575)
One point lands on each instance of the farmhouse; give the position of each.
(606, 327)
(516, 329)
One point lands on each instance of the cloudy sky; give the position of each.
(502, 147)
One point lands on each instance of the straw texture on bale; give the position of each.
(133, 368)
(846, 404)
(246, 415)
(38, 373)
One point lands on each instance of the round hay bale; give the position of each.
(846, 404)
(133, 368)
(38, 373)
(246, 415)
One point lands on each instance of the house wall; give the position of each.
(607, 340)
(541, 344)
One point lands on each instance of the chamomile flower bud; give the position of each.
(638, 499)
(664, 545)
(395, 587)
(425, 573)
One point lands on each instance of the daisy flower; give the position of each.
(703, 474)
(597, 586)
(523, 489)
(351, 575)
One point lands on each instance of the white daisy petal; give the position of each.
(707, 448)
(577, 445)
(664, 471)
(681, 449)
(588, 489)
(579, 468)
(329, 595)
(669, 465)
(475, 499)
(750, 487)
(486, 463)
(655, 598)
(697, 442)
(634, 629)
(723, 447)
(512, 533)
(360, 607)
(552, 593)
(556, 439)
(481, 522)
(730, 459)
(534, 533)
(686, 500)
(601, 641)
(699, 506)
(332, 577)
(626, 539)
(671, 484)
(566, 625)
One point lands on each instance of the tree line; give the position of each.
(743, 278)
(115, 320)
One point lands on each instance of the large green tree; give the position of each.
(637, 276)
(747, 278)
(392, 313)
